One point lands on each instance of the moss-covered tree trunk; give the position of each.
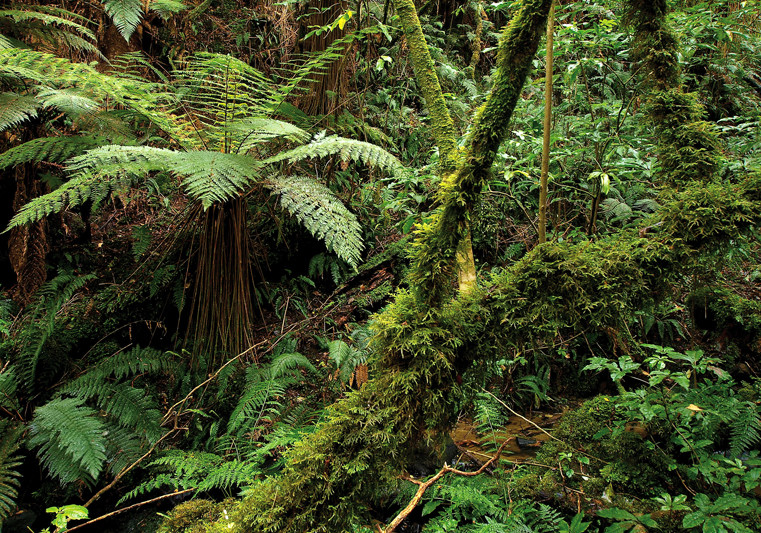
(369, 438)
(439, 239)
(442, 127)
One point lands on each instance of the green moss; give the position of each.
(624, 460)
(708, 214)
(195, 516)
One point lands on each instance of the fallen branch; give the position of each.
(424, 486)
(163, 496)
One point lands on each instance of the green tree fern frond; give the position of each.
(16, 109)
(317, 208)
(85, 186)
(10, 441)
(47, 24)
(70, 101)
(53, 149)
(209, 177)
(347, 149)
(252, 132)
(126, 15)
(69, 438)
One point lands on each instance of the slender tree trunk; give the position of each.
(547, 130)
(442, 127)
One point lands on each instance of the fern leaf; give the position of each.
(15, 109)
(136, 361)
(229, 474)
(254, 131)
(47, 15)
(315, 206)
(132, 408)
(126, 14)
(70, 439)
(10, 441)
(166, 8)
(53, 149)
(254, 403)
(347, 149)
(52, 296)
(69, 101)
(745, 431)
(210, 177)
(288, 362)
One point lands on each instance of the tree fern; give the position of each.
(348, 149)
(47, 24)
(315, 206)
(70, 439)
(53, 149)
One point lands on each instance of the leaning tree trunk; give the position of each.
(369, 438)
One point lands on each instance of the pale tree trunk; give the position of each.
(547, 130)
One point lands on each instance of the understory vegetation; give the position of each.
(336, 267)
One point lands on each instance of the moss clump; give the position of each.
(621, 460)
(703, 214)
(195, 516)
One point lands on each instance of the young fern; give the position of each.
(53, 295)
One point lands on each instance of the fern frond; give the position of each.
(15, 109)
(137, 361)
(123, 447)
(213, 177)
(52, 297)
(166, 8)
(745, 431)
(229, 474)
(85, 186)
(8, 385)
(132, 408)
(53, 149)
(209, 177)
(126, 15)
(287, 363)
(69, 101)
(315, 206)
(70, 439)
(10, 477)
(258, 400)
(251, 132)
(347, 149)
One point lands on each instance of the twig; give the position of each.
(130, 467)
(108, 515)
(211, 378)
(424, 486)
